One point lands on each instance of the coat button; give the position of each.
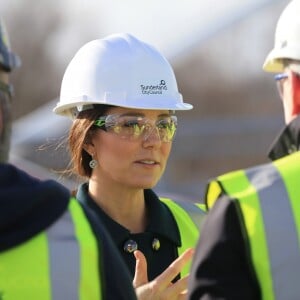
(130, 246)
(155, 244)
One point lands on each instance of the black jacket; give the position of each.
(287, 142)
(222, 267)
(28, 206)
(161, 228)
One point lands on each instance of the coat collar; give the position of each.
(287, 142)
(161, 220)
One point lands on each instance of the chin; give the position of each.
(146, 185)
(144, 182)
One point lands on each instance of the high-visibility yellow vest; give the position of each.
(60, 263)
(189, 217)
(268, 197)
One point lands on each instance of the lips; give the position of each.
(148, 162)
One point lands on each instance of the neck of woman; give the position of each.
(124, 205)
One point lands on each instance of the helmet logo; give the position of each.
(154, 89)
(283, 44)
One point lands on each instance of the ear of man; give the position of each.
(295, 82)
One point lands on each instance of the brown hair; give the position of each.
(81, 133)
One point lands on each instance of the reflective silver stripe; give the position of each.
(64, 257)
(281, 231)
(196, 213)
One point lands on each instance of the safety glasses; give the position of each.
(279, 78)
(133, 128)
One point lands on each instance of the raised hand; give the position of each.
(161, 287)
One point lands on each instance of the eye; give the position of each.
(165, 124)
(131, 123)
(131, 126)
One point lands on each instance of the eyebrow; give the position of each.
(135, 114)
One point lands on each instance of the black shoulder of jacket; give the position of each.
(27, 205)
(222, 266)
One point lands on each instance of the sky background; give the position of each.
(173, 26)
(170, 25)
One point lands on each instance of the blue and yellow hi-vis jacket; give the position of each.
(268, 197)
(49, 249)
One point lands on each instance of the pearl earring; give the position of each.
(93, 163)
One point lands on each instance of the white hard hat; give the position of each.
(119, 70)
(287, 40)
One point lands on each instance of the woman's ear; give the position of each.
(88, 144)
(89, 148)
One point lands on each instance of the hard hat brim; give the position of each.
(273, 62)
(68, 108)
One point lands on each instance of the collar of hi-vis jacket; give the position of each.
(287, 142)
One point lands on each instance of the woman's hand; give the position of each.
(161, 287)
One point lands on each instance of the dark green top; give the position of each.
(158, 242)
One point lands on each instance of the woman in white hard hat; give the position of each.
(122, 94)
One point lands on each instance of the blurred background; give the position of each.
(216, 48)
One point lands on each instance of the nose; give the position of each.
(152, 136)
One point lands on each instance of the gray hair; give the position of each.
(292, 64)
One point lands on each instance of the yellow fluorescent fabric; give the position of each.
(237, 186)
(24, 271)
(292, 184)
(90, 285)
(189, 233)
